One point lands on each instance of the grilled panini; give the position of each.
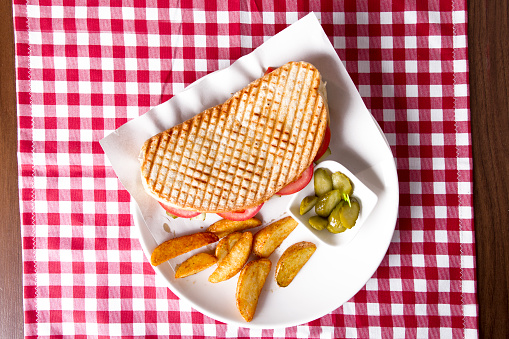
(239, 154)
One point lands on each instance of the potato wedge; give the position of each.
(195, 264)
(224, 227)
(226, 244)
(233, 262)
(292, 260)
(250, 284)
(177, 246)
(270, 237)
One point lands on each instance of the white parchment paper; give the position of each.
(359, 149)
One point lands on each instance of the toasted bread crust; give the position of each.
(237, 155)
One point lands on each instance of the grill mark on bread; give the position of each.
(240, 141)
(164, 140)
(323, 116)
(293, 138)
(187, 156)
(268, 132)
(298, 166)
(275, 115)
(250, 141)
(192, 168)
(179, 150)
(237, 148)
(180, 147)
(312, 104)
(257, 175)
(170, 138)
(198, 183)
(237, 153)
(222, 149)
(209, 163)
(307, 120)
(251, 166)
(223, 156)
(275, 108)
(230, 122)
(284, 136)
(215, 151)
(198, 180)
(155, 145)
(254, 185)
(303, 161)
(161, 148)
(173, 167)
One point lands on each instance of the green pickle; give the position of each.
(322, 181)
(327, 202)
(349, 214)
(318, 223)
(334, 219)
(342, 183)
(307, 204)
(334, 224)
(335, 230)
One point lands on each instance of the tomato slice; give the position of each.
(269, 69)
(179, 212)
(324, 145)
(298, 184)
(241, 215)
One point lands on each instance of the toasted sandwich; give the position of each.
(238, 154)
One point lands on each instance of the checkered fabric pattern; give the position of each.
(86, 67)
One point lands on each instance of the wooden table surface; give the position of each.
(488, 31)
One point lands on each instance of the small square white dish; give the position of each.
(366, 198)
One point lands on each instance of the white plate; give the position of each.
(366, 198)
(334, 274)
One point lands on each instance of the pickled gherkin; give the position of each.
(334, 219)
(318, 223)
(327, 202)
(349, 214)
(322, 181)
(307, 204)
(334, 224)
(342, 183)
(333, 229)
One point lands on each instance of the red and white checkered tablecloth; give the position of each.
(84, 68)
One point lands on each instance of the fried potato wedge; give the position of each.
(292, 260)
(270, 237)
(250, 284)
(226, 244)
(224, 227)
(233, 262)
(195, 264)
(177, 246)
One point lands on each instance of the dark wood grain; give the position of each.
(11, 287)
(488, 31)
